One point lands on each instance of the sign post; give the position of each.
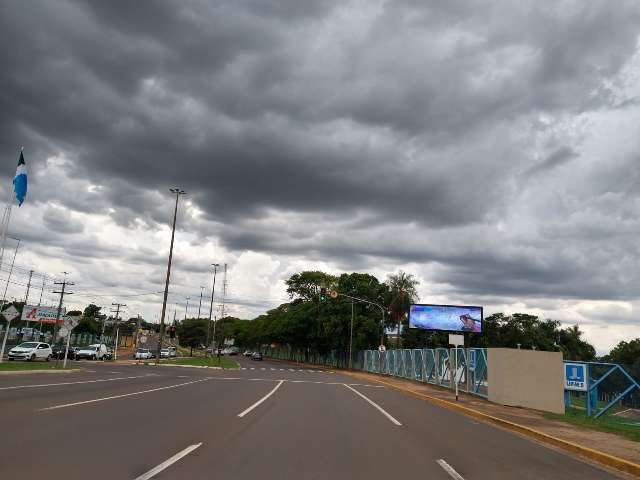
(456, 341)
(69, 324)
(9, 314)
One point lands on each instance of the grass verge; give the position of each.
(606, 423)
(7, 366)
(224, 362)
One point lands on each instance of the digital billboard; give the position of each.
(450, 318)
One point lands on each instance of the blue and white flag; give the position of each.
(20, 180)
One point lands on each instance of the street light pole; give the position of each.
(362, 300)
(351, 336)
(177, 193)
(213, 291)
(200, 304)
(186, 308)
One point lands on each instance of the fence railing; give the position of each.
(429, 365)
(438, 366)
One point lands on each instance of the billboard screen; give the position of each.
(451, 318)
(34, 313)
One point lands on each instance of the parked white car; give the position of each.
(31, 351)
(168, 352)
(93, 352)
(143, 354)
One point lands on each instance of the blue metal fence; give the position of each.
(440, 366)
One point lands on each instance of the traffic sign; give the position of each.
(71, 322)
(456, 340)
(142, 339)
(333, 294)
(10, 313)
(382, 349)
(63, 332)
(575, 376)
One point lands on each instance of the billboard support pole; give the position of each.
(4, 341)
(455, 364)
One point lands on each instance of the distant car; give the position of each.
(31, 351)
(164, 353)
(58, 352)
(172, 351)
(97, 351)
(247, 353)
(143, 354)
(109, 354)
(256, 356)
(233, 351)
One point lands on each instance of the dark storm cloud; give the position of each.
(419, 117)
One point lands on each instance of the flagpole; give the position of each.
(5, 225)
(7, 213)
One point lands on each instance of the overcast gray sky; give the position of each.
(489, 148)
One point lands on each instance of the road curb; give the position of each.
(27, 372)
(189, 366)
(600, 457)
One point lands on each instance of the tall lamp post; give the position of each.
(186, 308)
(213, 291)
(177, 192)
(200, 304)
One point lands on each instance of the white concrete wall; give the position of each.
(526, 378)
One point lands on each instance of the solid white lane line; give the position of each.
(393, 420)
(449, 469)
(261, 400)
(55, 407)
(167, 463)
(69, 383)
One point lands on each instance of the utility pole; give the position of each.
(117, 329)
(200, 304)
(224, 290)
(213, 291)
(351, 335)
(186, 308)
(44, 277)
(62, 293)
(135, 342)
(26, 297)
(177, 193)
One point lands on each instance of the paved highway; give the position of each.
(266, 421)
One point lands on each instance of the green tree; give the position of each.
(627, 353)
(403, 292)
(192, 332)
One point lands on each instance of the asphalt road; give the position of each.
(266, 421)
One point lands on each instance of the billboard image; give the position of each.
(34, 313)
(451, 318)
